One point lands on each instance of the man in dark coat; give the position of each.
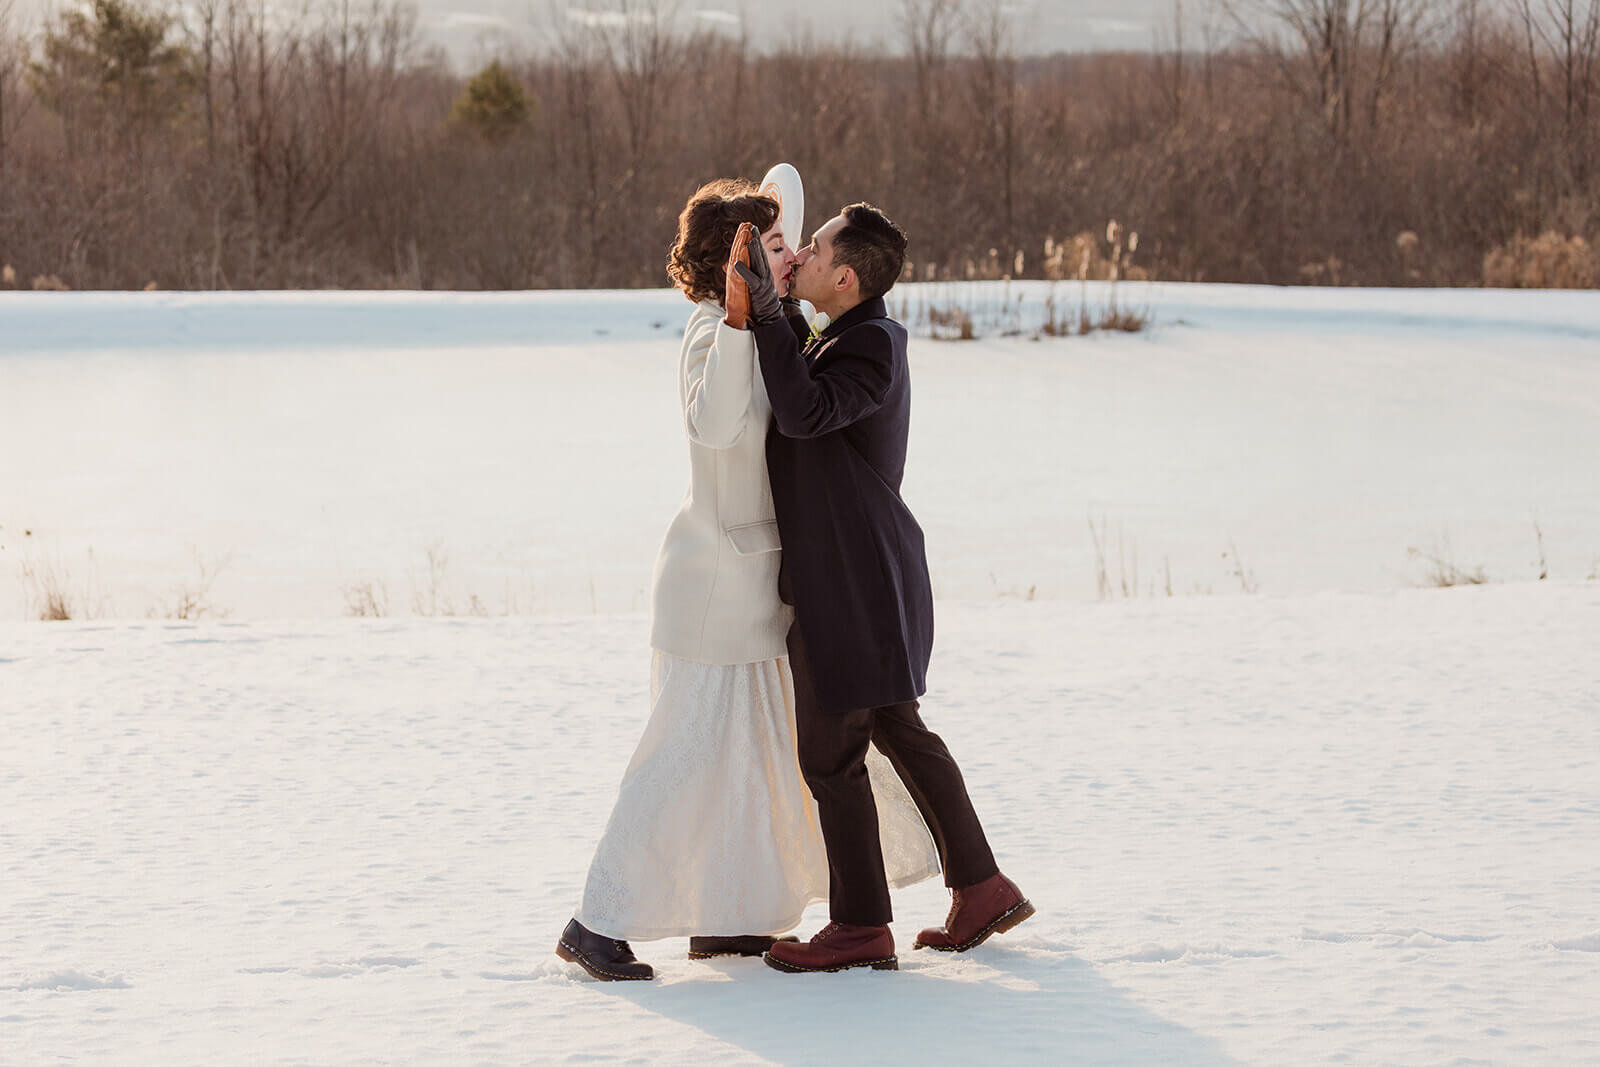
(855, 570)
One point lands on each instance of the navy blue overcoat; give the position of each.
(853, 556)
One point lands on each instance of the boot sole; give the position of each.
(1005, 921)
(693, 955)
(888, 963)
(598, 973)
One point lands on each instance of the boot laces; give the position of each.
(955, 909)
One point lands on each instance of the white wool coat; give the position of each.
(715, 593)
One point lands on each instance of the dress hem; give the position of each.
(662, 933)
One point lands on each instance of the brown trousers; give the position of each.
(833, 752)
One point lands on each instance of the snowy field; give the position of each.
(1345, 818)
(1355, 829)
(275, 456)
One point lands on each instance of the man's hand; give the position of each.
(737, 294)
(765, 307)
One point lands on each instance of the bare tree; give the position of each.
(1333, 52)
(927, 27)
(1566, 34)
(298, 100)
(355, 58)
(1169, 58)
(13, 61)
(1468, 75)
(575, 59)
(642, 50)
(994, 89)
(1347, 141)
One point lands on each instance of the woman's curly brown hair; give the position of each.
(698, 260)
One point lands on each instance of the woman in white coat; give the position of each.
(714, 835)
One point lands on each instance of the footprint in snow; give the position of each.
(1589, 942)
(1157, 953)
(346, 969)
(73, 982)
(551, 969)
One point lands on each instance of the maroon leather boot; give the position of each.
(837, 947)
(993, 906)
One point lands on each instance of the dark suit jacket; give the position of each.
(853, 555)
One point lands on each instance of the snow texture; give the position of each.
(1343, 828)
(1344, 820)
(520, 453)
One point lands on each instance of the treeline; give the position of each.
(1372, 142)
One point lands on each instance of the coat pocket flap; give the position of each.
(754, 538)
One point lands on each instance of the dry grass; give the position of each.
(1239, 571)
(951, 324)
(192, 599)
(1549, 261)
(956, 311)
(962, 311)
(1127, 577)
(1111, 265)
(1085, 319)
(1124, 320)
(366, 599)
(1013, 592)
(48, 592)
(1442, 571)
(1116, 564)
(432, 597)
(53, 594)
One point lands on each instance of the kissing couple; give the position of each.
(791, 628)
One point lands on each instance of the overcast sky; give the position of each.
(474, 30)
(1043, 25)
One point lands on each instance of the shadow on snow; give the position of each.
(1028, 1001)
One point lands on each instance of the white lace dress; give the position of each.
(714, 830)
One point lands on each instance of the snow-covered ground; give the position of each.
(279, 455)
(1340, 828)
(1345, 819)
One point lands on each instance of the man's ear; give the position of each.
(846, 280)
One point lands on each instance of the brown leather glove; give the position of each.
(762, 293)
(737, 300)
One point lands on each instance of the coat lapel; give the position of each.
(865, 311)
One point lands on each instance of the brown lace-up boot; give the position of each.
(993, 906)
(605, 958)
(837, 947)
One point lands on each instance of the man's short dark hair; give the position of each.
(872, 246)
